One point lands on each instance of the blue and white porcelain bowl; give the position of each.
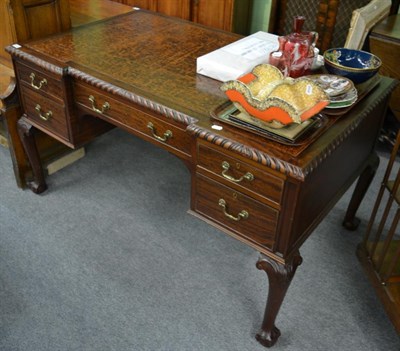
(357, 65)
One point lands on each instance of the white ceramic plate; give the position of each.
(333, 85)
(346, 97)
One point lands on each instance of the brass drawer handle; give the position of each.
(41, 83)
(225, 166)
(44, 117)
(242, 214)
(167, 135)
(106, 106)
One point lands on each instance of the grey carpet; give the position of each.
(108, 259)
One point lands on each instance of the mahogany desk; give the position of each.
(137, 72)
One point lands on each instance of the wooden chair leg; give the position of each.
(350, 221)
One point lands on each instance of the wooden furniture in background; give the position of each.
(87, 11)
(330, 18)
(395, 7)
(149, 87)
(30, 19)
(214, 13)
(23, 20)
(7, 33)
(363, 19)
(384, 41)
(176, 8)
(379, 253)
(38, 18)
(7, 86)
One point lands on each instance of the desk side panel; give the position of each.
(326, 184)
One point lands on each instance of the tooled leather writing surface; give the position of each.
(152, 54)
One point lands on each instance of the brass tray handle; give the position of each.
(225, 166)
(106, 106)
(242, 214)
(41, 83)
(167, 135)
(44, 117)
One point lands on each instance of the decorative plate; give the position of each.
(344, 100)
(346, 97)
(333, 85)
(342, 104)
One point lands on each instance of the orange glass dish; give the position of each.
(268, 96)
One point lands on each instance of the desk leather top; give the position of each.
(154, 56)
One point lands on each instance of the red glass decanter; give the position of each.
(299, 49)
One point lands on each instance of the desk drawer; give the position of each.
(40, 81)
(45, 113)
(239, 213)
(133, 118)
(240, 174)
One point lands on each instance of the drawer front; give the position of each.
(134, 119)
(40, 81)
(45, 112)
(239, 213)
(240, 174)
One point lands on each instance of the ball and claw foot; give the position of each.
(351, 224)
(36, 187)
(268, 338)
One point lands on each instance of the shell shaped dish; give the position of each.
(267, 95)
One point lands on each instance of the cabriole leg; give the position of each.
(27, 134)
(279, 276)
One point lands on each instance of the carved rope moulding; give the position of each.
(161, 109)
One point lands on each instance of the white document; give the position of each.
(238, 58)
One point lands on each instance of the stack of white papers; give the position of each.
(238, 58)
